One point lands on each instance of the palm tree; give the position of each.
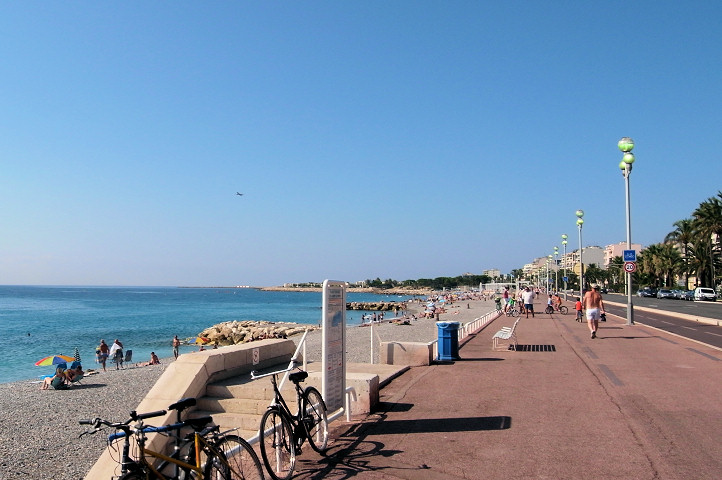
(708, 224)
(683, 236)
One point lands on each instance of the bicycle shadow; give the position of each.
(356, 450)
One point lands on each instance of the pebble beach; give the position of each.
(39, 430)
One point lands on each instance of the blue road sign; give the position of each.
(630, 256)
(565, 279)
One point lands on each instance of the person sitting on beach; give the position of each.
(75, 373)
(57, 381)
(153, 360)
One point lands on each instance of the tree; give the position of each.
(683, 235)
(708, 225)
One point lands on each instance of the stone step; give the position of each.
(227, 421)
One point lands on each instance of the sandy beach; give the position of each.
(39, 430)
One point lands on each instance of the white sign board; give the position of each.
(333, 352)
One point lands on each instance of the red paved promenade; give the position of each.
(634, 403)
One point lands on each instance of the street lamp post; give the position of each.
(564, 263)
(580, 222)
(626, 145)
(556, 269)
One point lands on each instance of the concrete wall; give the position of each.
(413, 354)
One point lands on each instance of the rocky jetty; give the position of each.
(235, 332)
(376, 306)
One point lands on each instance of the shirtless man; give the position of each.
(594, 306)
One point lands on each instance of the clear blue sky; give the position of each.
(371, 139)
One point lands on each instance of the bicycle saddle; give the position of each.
(182, 404)
(198, 423)
(299, 376)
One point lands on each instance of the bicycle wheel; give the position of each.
(514, 312)
(243, 463)
(277, 445)
(549, 310)
(315, 421)
(564, 310)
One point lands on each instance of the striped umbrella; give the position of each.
(77, 355)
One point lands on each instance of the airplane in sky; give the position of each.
(237, 193)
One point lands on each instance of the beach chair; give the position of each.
(128, 356)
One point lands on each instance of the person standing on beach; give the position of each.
(116, 352)
(594, 306)
(103, 352)
(176, 344)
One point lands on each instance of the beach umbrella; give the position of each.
(76, 356)
(201, 340)
(54, 360)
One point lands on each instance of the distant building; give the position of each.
(617, 250)
(492, 273)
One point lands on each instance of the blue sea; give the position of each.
(39, 321)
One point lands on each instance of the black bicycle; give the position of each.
(282, 433)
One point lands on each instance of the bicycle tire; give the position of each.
(514, 312)
(242, 459)
(316, 427)
(549, 310)
(278, 447)
(563, 310)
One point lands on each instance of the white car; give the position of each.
(701, 293)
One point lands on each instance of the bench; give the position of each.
(506, 333)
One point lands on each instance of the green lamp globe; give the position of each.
(628, 158)
(580, 221)
(579, 213)
(626, 144)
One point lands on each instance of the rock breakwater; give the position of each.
(376, 306)
(235, 332)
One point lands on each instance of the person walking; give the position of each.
(176, 344)
(528, 297)
(594, 306)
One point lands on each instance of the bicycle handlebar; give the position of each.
(255, 375)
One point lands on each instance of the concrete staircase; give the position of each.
(240, 402)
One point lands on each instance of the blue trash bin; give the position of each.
(448, 341)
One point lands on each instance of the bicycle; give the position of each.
(561, 309)
(204, 454)
(512, 310)
(282, 433)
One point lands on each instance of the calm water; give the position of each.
(39, 321)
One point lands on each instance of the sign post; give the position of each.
(333, 354)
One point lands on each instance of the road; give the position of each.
(681, 325)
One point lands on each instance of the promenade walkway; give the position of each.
(634, 403)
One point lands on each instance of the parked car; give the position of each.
(665, 293)
(647, 292)
(702, 293)
(688, 295)
(677, 294)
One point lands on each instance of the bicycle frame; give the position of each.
(295, 420)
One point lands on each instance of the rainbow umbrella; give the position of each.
(201, 340)
(54, 360)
